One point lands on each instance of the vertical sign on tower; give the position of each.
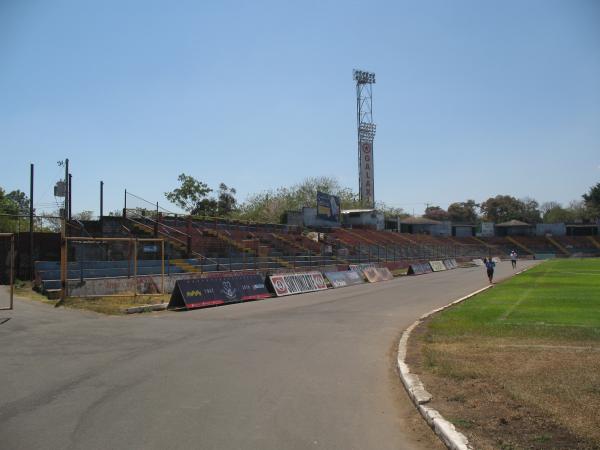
(366, 135)
(366, 173)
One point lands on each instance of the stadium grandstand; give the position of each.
(201, 245)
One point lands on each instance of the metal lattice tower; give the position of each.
(366, 135)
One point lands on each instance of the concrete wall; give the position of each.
(463, 231)
(444, 229)
(311, 220)
(555, 229)
(486, 229)
(373, 219)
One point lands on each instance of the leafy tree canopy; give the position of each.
(503, 208)
(271, 206)
(190, 194)
(436, 213)
(464, 212)
(592, 200)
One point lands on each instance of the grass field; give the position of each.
(558, 299)
(519, 365)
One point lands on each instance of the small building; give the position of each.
(552, 229)
(515, 228)
(363, 218)
(308, 218)
(463, 229)
(420, 225)
(582, 229)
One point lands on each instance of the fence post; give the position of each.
(162, 266)
(135, 267)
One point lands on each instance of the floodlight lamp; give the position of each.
(367, 130)
(363, 77)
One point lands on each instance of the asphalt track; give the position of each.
(302, 372)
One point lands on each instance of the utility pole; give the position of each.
(70, 191)
(31, 271)
(101, 208)
(63, 238)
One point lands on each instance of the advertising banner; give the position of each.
(367, 185)
(376, 274)
(328, 207)
(297, 283)
(419, 269)
(437, 266)
(478, 262)
(345, 278)
(361, 267)
(203, 292)
(450, 264)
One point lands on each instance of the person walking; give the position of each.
(513, 259)
(490, 265)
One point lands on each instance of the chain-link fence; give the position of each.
(107, 266)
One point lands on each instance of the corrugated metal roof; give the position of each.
(514, 223)
(419, 221)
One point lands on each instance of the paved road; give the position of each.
(302, 372)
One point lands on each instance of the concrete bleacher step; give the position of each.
(185, 265)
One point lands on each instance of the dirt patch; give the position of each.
(513, 393)
(105, 305)
(113, 305)
(410, 418)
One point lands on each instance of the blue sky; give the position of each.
(473, 98)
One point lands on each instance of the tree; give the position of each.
(503, 208)
(13, 203)
(271, 206)
(391, 211)
(553, 212)
(530, 211)
(592, 201)
(83, 215)
(436, 213)
(463, 212)
(226, 202)
(206, 207)
(20, 200)
(190, 194)
(580, 212)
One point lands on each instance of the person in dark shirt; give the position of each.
(490, 265)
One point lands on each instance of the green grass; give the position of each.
(557, 299)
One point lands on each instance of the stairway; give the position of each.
(594, 241)
(147, 230)
(483, 242)
(223, 237)
(558, 246)
(518, 244)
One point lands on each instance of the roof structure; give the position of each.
(348, 211)
(419, 221)
(514, 223)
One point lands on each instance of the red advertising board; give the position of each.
(297, 283)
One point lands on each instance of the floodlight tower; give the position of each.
(366, 135)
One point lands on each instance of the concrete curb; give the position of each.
(453, 439)
(147, 308)
(445, 430)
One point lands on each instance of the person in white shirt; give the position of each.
(513, 259)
